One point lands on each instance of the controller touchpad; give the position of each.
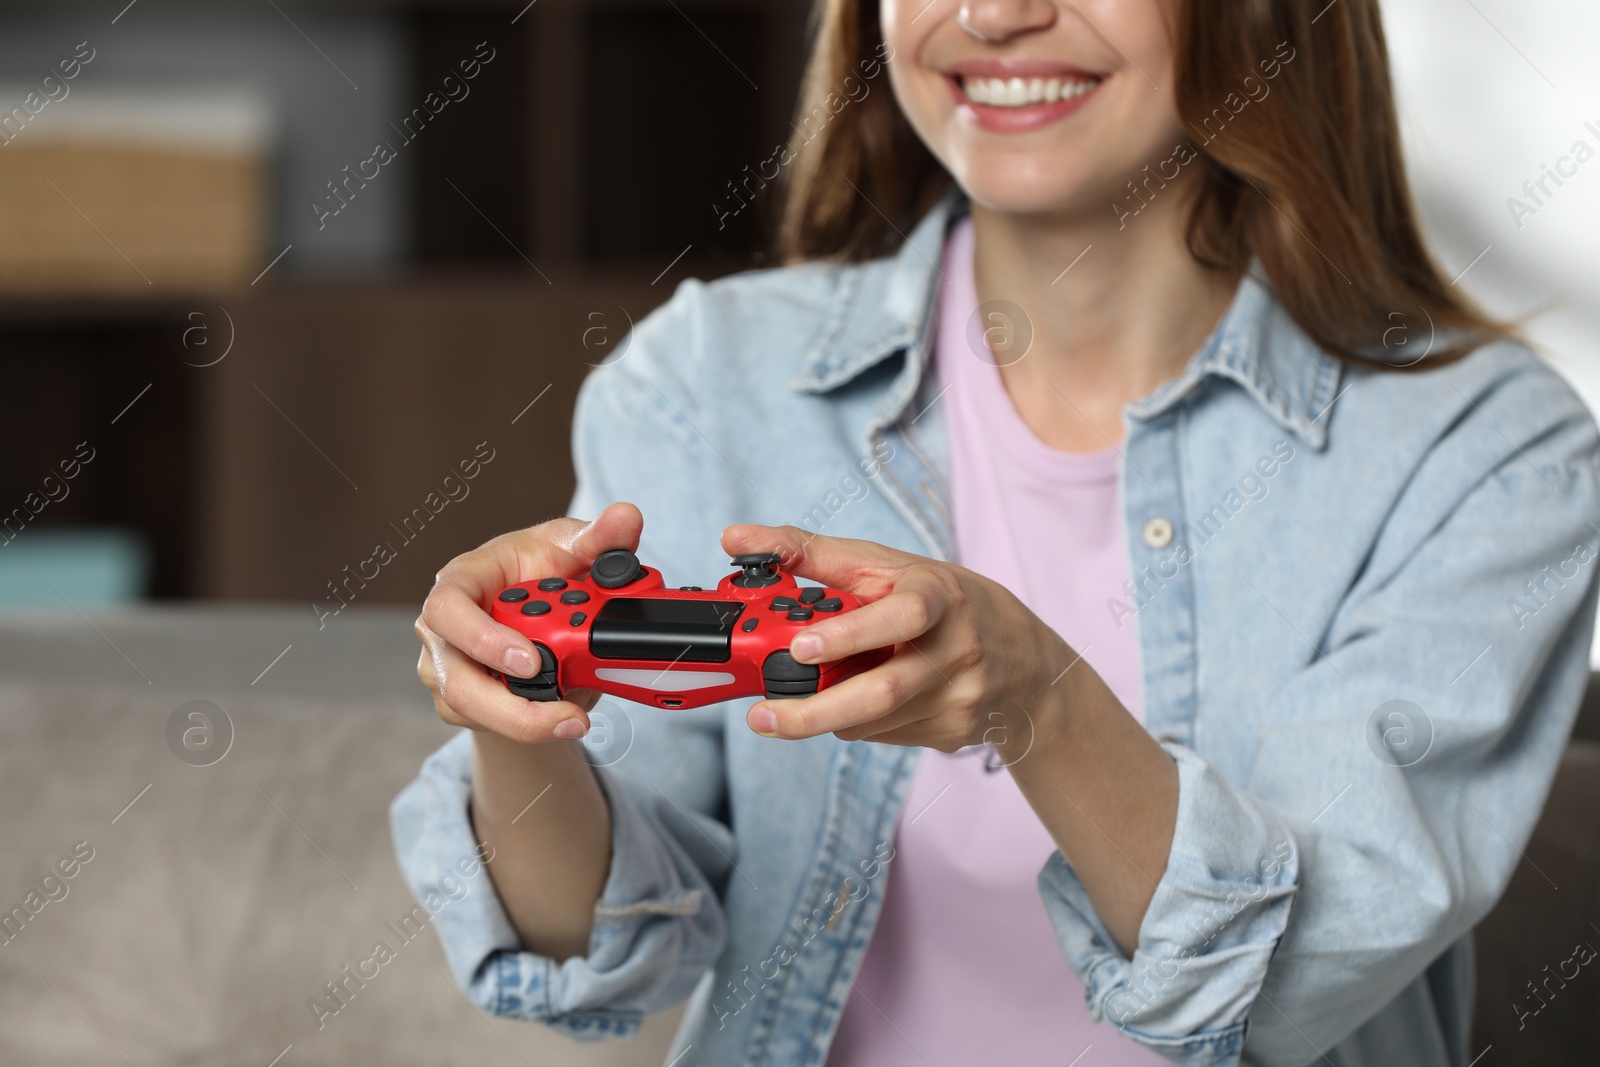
(694, 631)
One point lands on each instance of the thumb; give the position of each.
(618, 526)
(864, 568)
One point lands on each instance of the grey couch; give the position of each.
(221, 901)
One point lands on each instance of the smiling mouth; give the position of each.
(1024, 92)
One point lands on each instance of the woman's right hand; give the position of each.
(459, 639)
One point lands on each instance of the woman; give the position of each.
(1236, 569)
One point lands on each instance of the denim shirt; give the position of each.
(1364, 627)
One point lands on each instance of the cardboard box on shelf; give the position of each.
(134, 191)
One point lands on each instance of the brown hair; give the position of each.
(1313, 186)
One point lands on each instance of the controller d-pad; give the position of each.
(831, 603)
(783, 603)
(812, 594)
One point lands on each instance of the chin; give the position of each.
(1019, 184)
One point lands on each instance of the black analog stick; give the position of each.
(615, 569)
(757, 570)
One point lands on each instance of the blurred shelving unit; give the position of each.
(263, 436)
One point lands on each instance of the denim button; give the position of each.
(1157, 532)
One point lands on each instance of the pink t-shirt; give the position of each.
(964, 966)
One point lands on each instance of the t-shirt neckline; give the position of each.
(979, 378)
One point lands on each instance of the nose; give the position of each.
(998, 21)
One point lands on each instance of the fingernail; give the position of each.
(763, 721)
(570, 729)
(806, 646)
(518, 663)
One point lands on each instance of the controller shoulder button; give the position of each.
(541, 686)
(574, 596)
(512, 596)
(784, 678)
(536, 607)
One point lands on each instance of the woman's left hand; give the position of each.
(971, 663)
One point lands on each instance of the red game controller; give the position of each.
(620, 630)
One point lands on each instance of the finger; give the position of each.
(864, 568)
(451, 617)
(618, 526)
(478, 700)
(865, 698)
(425, 673)
(906, 716)
(560, 548)
(919, 601)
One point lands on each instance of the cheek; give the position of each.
(922, 97)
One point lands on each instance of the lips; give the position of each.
(1007, 96)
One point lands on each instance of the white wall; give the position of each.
(1491, 92)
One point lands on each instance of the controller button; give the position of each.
(511, 596)
(800, 613)
(577, 618)
(575, 596)
(832, 603)
(614, 569)
(783, 603)
(812, 595)
(750, 623)
(536, 607)
(690, 589)
(551, 585)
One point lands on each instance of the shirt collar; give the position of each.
(886, 306)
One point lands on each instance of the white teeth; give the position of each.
(1015, 92)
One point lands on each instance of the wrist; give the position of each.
(504, 771)
(1040, 717)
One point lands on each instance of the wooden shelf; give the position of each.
(606, 130)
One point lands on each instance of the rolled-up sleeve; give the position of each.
(1210, 930)
(657, 925)
(1302, 897)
